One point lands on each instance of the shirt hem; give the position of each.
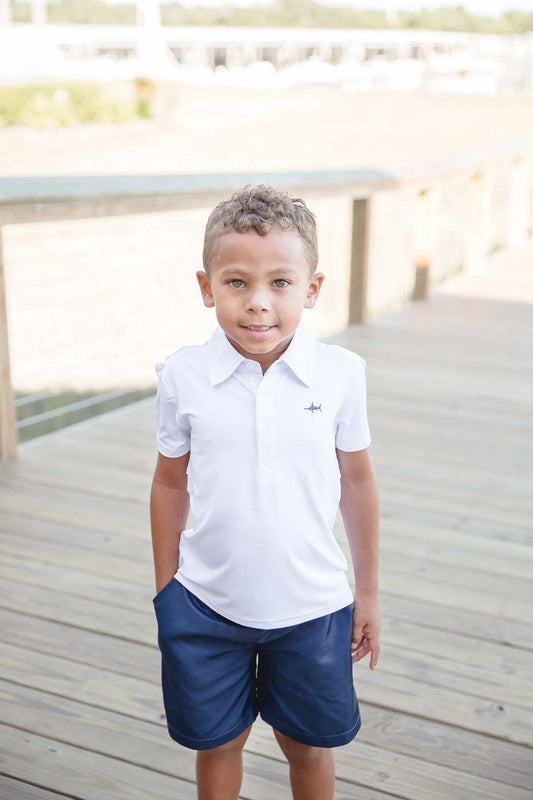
(262, 624)
(181, 452)
(353, 446)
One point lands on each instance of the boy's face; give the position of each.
(260, 281)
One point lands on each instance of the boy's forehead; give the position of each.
(277, 248)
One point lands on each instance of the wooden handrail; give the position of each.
(35, 199)
(23, 199)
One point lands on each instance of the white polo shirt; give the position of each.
(263, 475)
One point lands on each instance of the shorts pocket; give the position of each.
(164, 589)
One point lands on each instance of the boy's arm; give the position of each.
(359, 507)
(169, 510)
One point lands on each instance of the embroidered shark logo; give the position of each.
(313, 408)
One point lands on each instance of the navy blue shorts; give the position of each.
(217, 675)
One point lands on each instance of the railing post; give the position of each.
(39, 13)
(424, 225)
(8, 430)
(358, 309)
(422, 278)
(478, 221)
(5, 13)
(519, 201)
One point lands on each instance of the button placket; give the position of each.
(265, 428)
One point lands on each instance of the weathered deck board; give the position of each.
(415, 682)
(447, 714)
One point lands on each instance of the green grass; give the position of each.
(57, 105)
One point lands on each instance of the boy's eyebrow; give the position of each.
(286, 270)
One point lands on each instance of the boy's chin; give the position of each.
(275, 335)
(260, 347)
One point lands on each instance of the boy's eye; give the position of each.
(277, 281)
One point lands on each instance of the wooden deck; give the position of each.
(448, 714)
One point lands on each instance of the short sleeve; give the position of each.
(351, 424)
(173, 433)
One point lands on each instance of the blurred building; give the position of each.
(357, 58)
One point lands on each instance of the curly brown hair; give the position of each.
(261, 208)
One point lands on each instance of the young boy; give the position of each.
(263, 430)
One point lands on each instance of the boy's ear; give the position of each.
(205, 288)
(313, 289)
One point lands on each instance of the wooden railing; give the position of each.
(432, 220)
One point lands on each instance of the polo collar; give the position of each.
(224, 358)
(300, 354)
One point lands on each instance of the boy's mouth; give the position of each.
(258, 327)
(258, 331)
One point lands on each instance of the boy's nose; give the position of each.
(258, 299)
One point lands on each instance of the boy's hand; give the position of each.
(366, 628)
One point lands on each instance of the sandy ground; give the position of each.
(226, 130)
